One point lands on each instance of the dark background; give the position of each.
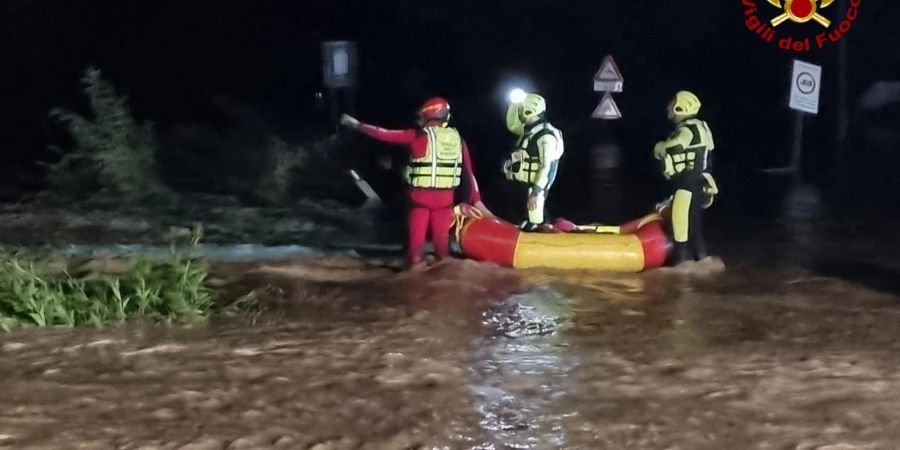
(176, 58)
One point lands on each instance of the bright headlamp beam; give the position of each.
(517, 96)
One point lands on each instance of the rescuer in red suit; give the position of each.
(439, 158)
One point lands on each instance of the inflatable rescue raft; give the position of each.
(632, 247)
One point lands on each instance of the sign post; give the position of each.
(806, 84)
(606, 154)
(608, 79)
(339, 74)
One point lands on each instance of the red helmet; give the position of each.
(435, 108)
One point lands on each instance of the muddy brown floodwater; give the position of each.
(350, 354)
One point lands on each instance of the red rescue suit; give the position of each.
(431, 209)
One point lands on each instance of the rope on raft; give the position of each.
(461, 214)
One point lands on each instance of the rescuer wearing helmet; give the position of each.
(439, 158)
(536, 158)
(685, 159)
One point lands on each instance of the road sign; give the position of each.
(339, 64)
(806, 83)
(608, 78)
(607, 109)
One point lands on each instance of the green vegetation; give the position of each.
(33, 293)
(114, 158)
(113, 153)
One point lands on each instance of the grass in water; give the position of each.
(32, 293)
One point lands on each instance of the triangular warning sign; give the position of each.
(608, 78)
(609, 71)
(607, 109)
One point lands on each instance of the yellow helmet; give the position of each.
(518, 114)
(686, 104)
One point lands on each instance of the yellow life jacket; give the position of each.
(687, 150)
(441, 167)
(524, 163)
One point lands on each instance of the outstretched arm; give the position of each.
(389, 136)
(378, 133)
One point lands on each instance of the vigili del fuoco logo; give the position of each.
(820, 23)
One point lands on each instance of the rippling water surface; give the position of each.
(793, 345)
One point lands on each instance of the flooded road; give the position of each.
(792, 346)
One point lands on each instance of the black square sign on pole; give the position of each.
(339, 74)
(339, 64)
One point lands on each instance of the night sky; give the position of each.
(173, 57)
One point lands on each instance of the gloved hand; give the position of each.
(710, 190)
(507, 169)
(349, 121)
(484, 209)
